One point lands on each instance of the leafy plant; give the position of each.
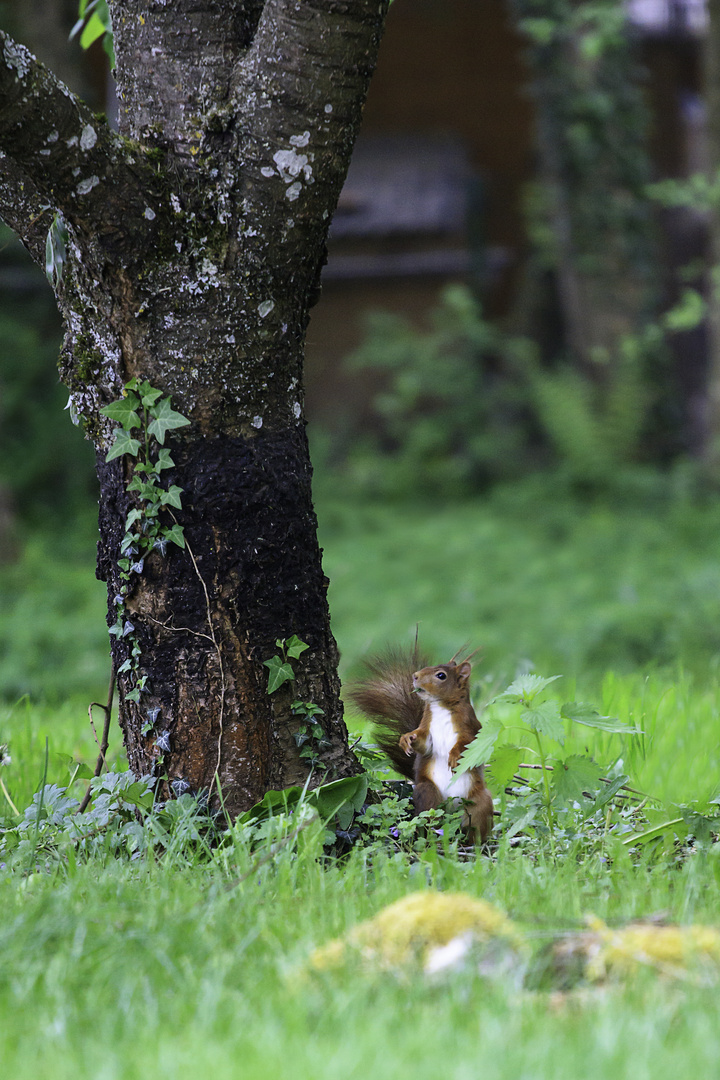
(95, 23)
(145, 417)
(279, 668)
(446, 417)
(572, 781)
(310, 735)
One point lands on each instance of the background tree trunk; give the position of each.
(196, 239)
(593, 168)
(711, 419)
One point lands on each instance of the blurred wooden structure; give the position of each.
(434, 192)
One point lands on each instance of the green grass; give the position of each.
(122, 972)
(121, 969)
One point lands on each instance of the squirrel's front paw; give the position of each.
(406, 742)
(455, 755)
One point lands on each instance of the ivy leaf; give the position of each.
(279, 673)
(478, 752)
(526, 688)
(545, 718)
(124, 444)
(571, 777)
(176, 535)
(295, 647)
(171, 497)
(124, 411)
(588, 715)
(148, 394)
(164, 460)
(133, 516)
(165, 419)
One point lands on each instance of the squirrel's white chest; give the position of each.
(442, 739)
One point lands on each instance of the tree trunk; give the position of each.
(711, 418)
(594, 168)
(196, 239)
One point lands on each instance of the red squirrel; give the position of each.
(423, 722)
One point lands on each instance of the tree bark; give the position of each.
(196, 239)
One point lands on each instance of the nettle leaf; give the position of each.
(478, 752)
(590, 716)
(165, 419)
(279, 673)
(294, 647)
(700, 825)
(573, 776)
(124, 411)
(545, 718)
(124, 444)
(526, 688)
(503, 766)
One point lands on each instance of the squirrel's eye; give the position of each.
(440, 675)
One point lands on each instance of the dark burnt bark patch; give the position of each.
(207, 617)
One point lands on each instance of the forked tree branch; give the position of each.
(72, 160)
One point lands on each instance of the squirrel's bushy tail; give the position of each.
(384, 692)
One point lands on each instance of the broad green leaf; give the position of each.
(148, 394)
(700, 825)
(165, 419)
(124, 444)
(171, 497)
(608, 792)
(653, 832)
(503, 766)
(342, 797)
(94, 28)
(279, 673)
(328, 800)
(574, 775)
(546, 720)
(176, 535)
(525, 688)
(124, 411)
(527, 818)
(590, 716)
(294, 647)
(478, 752)
(164, 460)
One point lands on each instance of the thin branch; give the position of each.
(105, 740)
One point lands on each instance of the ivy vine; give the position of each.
(145, 416)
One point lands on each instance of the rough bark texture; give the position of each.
(196, 240)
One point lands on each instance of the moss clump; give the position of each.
(409, 930)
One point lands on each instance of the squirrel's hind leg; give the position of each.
(426, 796)
(478, 817)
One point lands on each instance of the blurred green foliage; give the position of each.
(45, 463)
(459, 406)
